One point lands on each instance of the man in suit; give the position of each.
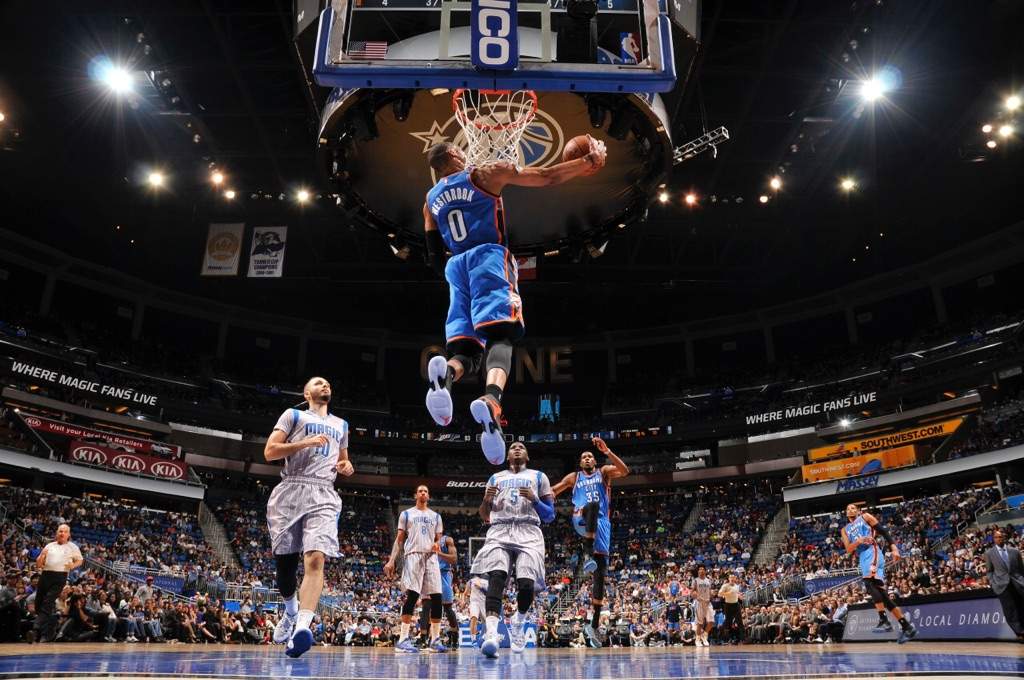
(1006, 578)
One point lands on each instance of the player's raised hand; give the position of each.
(600, 445)
(389, 569)
(598, 154)
(345, 468)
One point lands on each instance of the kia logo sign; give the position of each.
(129, 463)
(33, 422)
(88, 454)
(165, 469)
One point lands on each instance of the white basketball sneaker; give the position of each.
(439, 399)
(284, 628)
(487, 411)
(516, 634)
(490, 646)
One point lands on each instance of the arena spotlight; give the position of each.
(663, 197)
(986, 128)
(1012, 102)
(155, 179)
(302, 196)
(2, 117)
(117, 79)
(845, 422)
(763, 198)
(991, 144)
(847, 184)
(872, 90)
(691, 199)
(1005, 130)
(775, 183)
(217, 178)
(230, 194)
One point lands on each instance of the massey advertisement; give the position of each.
(125, 461)
(860, 465)
(884, 441)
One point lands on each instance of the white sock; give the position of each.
(305, 618)
(435, 630)
(492, 625)
(405, 632)
(291, 605)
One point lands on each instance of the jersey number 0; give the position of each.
(457, 225)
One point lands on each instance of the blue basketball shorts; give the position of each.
(483, 290)
(872, 556)
(447, 596)
(603, 535)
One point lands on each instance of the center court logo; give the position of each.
(539, 146)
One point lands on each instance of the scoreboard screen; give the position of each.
(556, 5)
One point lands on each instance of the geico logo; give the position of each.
(87, 454)
(167, 470)
(494, 46)
(129, 463)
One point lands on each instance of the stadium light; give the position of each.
(229, 194)
(986, 128)
(691, 199)
(845, 422)
(217, 178)
(847, 184)
(775, 183)
(117, 79)
(663, 197)
(991, 144)
(763, 198)
(1012, 102)
(872, 90)
(1005, 130)
(155, 179)
(2, 117)
(302, 196)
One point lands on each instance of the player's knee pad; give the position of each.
(495, 587)
(449, 613)
(409, 606)
(524, 594)
(436, 607)
(425, 614)
(590, 512)
(499, 355)
(597, 592)
(287, 576)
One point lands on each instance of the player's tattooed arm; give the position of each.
(618, 469)
(496, 176)
(396, 550)
(564, 485)
(485, 506)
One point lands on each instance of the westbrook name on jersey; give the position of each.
(466, 215)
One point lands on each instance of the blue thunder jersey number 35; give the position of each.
(589, 489)
(466, 215)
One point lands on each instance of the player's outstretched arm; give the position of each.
(495, 177)
(618, 469)
(277, 448)
(564, 485)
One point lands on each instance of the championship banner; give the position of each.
(266, 252)
(74, 431)
(883, 441)
(223, 247)
(124, 461)
(860, 465)
(974, 619)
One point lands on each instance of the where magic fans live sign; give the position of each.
(125, 394)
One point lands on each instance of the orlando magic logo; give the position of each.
(539, 146)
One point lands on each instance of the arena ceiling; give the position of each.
(783, 77)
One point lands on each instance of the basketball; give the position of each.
(578, 147)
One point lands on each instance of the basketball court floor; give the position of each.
(883, 660)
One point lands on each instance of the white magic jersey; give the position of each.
(313, 461)
(421, 529)
(508, 505)
(703, 588)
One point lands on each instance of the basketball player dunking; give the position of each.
(591, 500)
(419, 534)
(859, 537)
(303, 510)
(515, 503)
(463, 214)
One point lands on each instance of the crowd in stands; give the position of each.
(999, 426)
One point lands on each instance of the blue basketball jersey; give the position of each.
(466, 215)
(858, 528)
(445, 566)
(590, 488)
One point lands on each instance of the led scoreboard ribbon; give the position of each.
(604, 6)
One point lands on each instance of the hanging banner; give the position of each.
(223, 247)
(266, 252)
(57, 427)
(860, 465)
(126, 461)
(881, 441)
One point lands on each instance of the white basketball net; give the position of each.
(493, 122)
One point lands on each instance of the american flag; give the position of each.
(367, 49)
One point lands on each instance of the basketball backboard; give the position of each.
(541, 45)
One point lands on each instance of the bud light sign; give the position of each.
(494, 34)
